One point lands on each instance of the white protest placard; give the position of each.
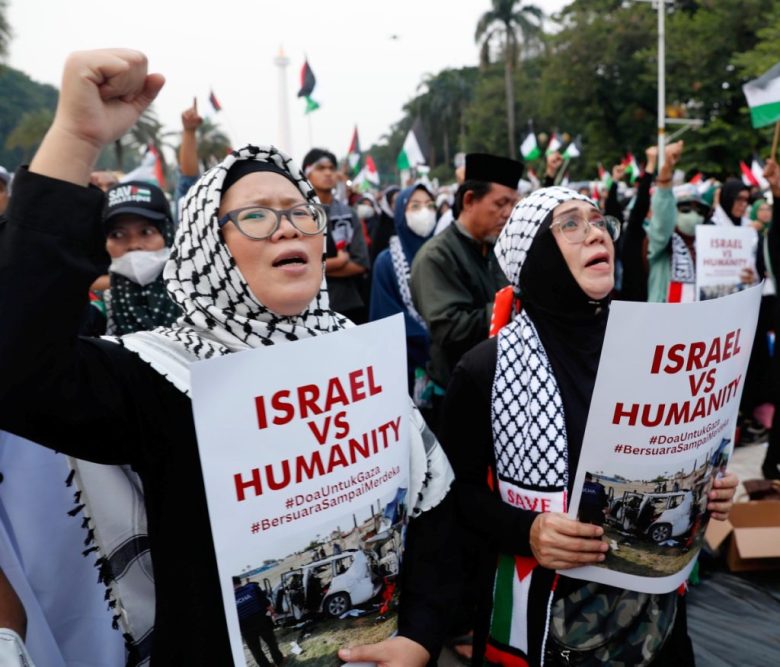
(722, 254)
(305, 456)
(660, 429)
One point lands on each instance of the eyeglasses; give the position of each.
(575, 228)
(417, 206)
(260, 222)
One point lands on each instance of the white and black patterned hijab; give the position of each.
(529, 426)
(220, 312)
(221, 315)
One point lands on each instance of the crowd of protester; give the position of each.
(114, 259)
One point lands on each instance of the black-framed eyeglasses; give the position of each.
(575, 228)
(260, 222)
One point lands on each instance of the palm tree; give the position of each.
(505, 21)
(213, 143)
(147, 131)
(5, 30)
(29, 132)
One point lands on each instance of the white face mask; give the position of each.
(365, 211)
(421, 222)
(141, 266)
(686, 222)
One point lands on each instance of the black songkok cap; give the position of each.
(493, 169)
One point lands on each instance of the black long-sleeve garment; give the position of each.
(632, 252)
(94, 400)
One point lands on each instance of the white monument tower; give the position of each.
(283, 140)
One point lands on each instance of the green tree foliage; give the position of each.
(20, 95)
(596, 76)
(441, 106)
(213, 143)
(766, 52)
(5, 29)
(29, 132)
(516, 29)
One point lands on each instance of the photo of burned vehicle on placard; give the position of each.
(655, 524)
(339, 589)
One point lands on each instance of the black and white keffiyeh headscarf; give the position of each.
(221, 315)
(529, 432)
(132, 307)
(529, 421)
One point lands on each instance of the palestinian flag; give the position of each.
(370, 170)
(747, 175)
(215, 102)
(572, 150)
(757, 167)
(529, 149)
(311, 105)
(554, 144)
(353, 154)
(368, 176)
(632, 168)
(150, 169)
(697, 178)
(308, 81)
(605, 179)
(411, 154)
(763, 97)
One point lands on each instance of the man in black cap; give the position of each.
(455, 275)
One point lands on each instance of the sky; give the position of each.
(364, 74)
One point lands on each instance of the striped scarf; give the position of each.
(530, 444)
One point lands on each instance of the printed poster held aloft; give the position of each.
(305, 456)
(723, 253)
(660, 430)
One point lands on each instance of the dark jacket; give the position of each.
(95, 400)
(454, 282)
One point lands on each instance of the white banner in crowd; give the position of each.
(305, 456)
(722, 254)
(660, 429)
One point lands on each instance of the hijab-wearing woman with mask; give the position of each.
(415, 220)
(246, 270)
(515, 414)
(139, 235)
(671, 235)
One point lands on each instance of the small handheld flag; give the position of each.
(215, 102)
(308, 80)
(529, 149)
(353, 153)
(763, 97)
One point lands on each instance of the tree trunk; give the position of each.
(119, 154)
(510, 100)
(446, 148)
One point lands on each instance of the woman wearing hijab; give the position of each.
(244, 274)
(515, 413)
(139, 235)
(732, 205)
(385, 228)
(415, 219)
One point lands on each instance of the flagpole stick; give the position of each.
(562, 171)
(773, 154)
(311, 141)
